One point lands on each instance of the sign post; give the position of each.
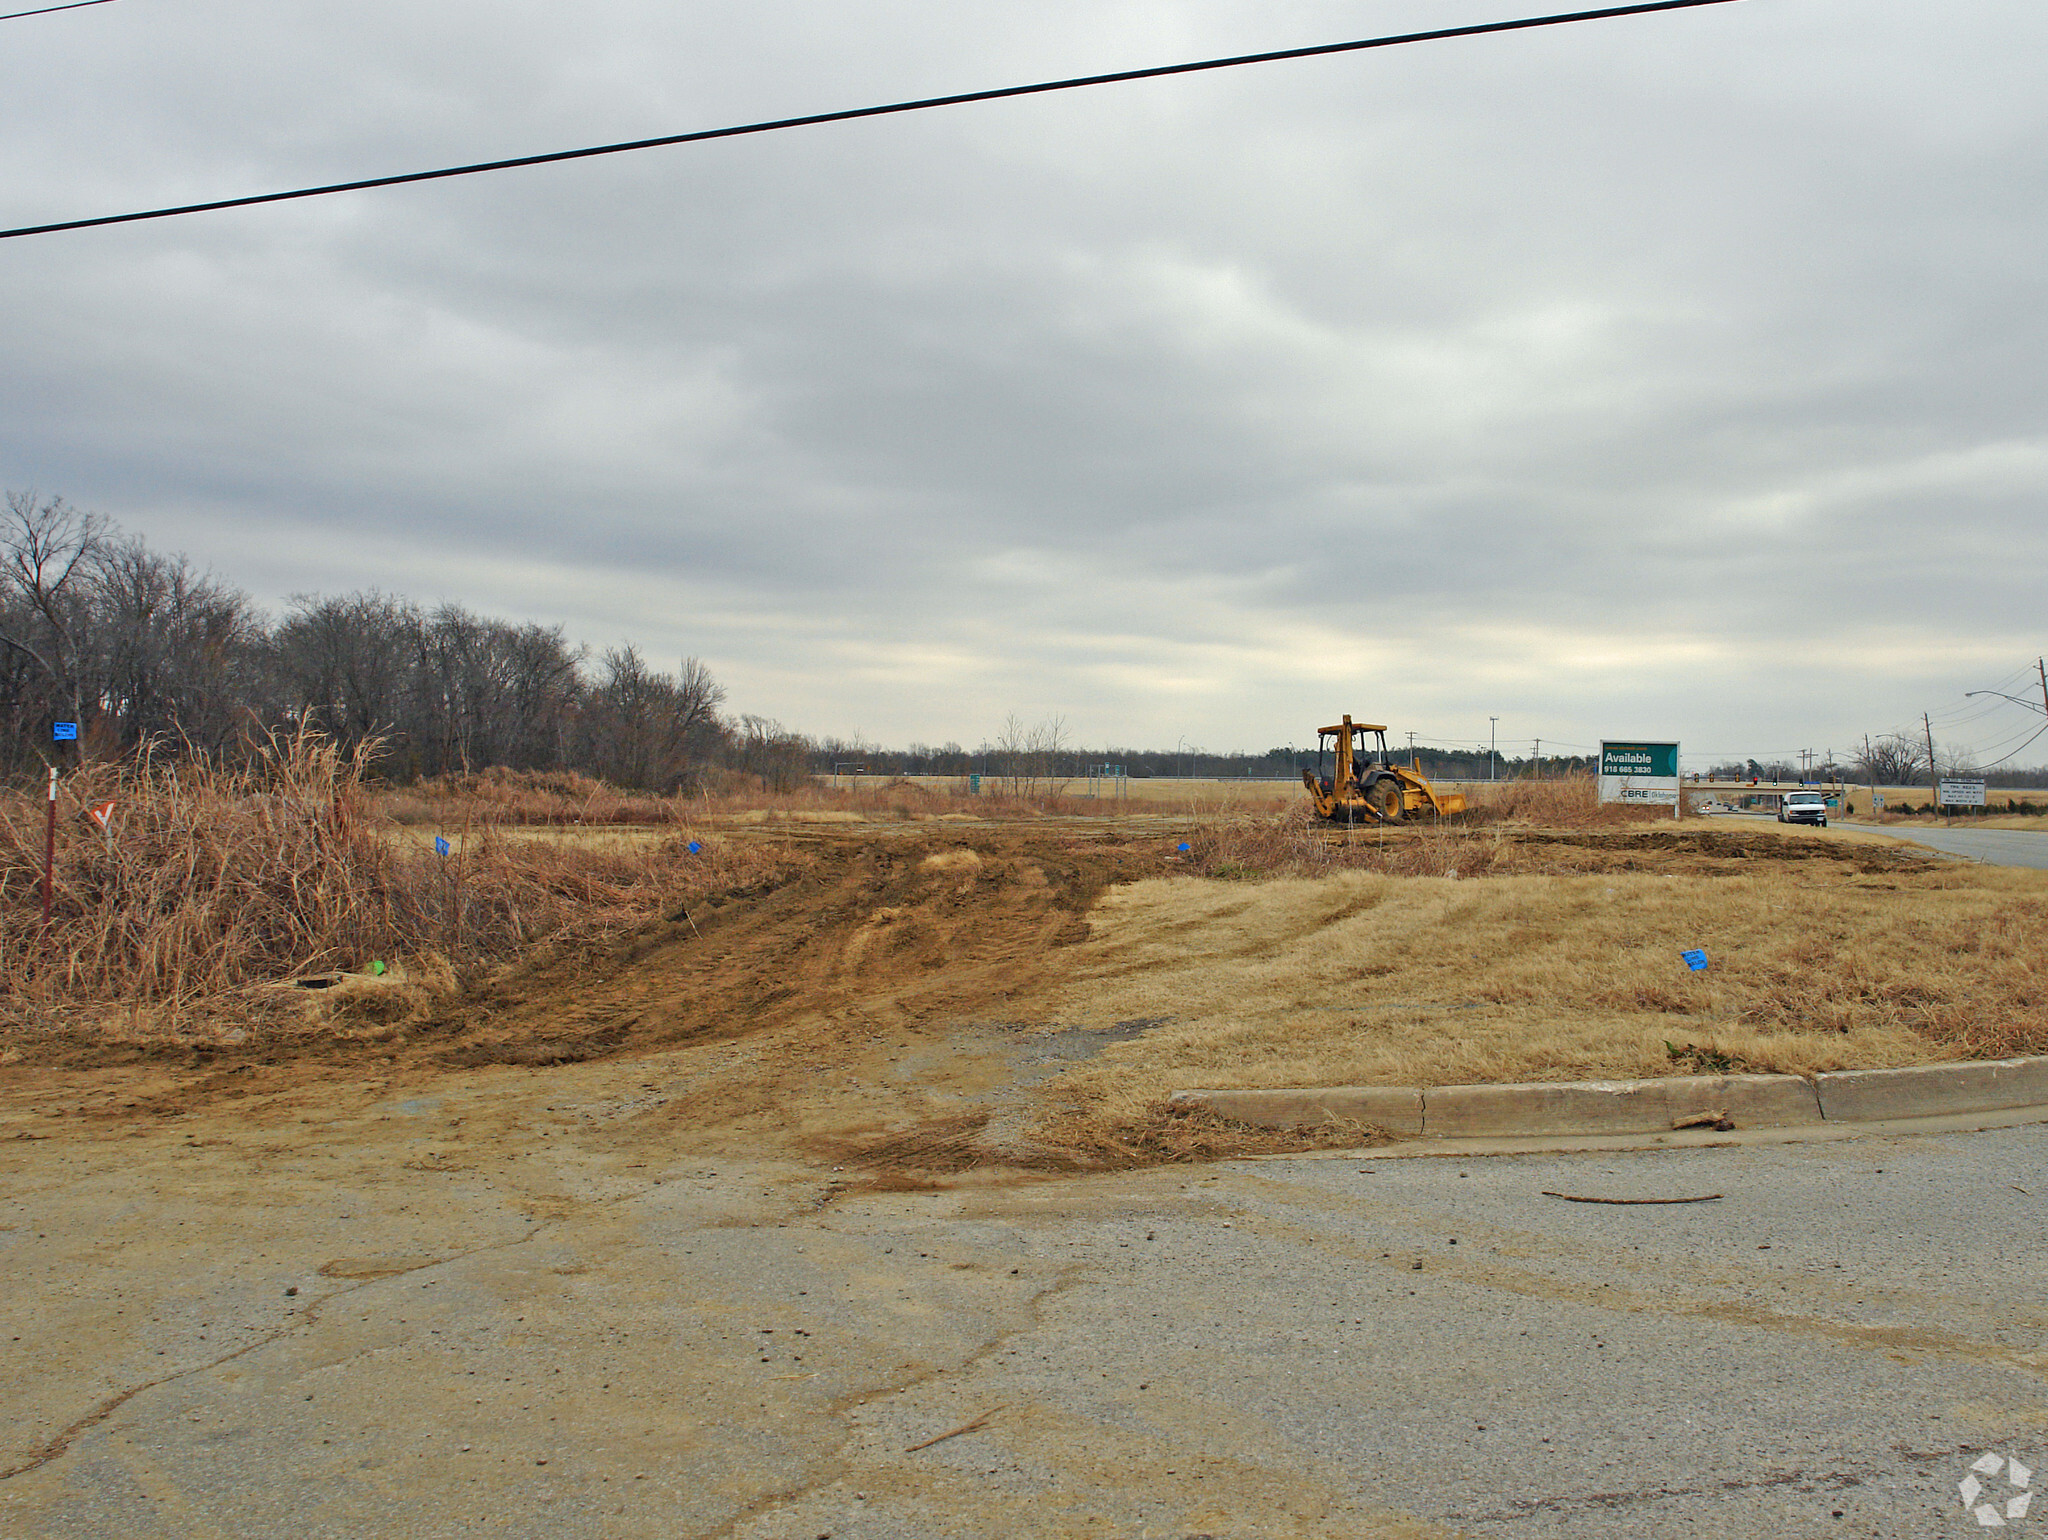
(60, 732)
(1641, 773)
(49, 850)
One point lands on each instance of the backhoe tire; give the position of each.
(1386, 800)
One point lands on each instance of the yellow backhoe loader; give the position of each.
(1364, 784)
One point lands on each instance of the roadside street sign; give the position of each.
(1962, 793)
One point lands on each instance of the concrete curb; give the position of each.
(1606, 1107)
(1931, 1090)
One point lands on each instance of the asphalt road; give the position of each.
(1994, 847)
(600, 1338)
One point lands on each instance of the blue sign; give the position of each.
(693, 847)
(1696, 959)
(440, 846)
(63, 732)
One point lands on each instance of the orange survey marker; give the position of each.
(103, 814)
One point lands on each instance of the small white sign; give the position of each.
(1962, 794)
(1629, 791)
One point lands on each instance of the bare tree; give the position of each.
(645, 728)
(1892, 760)
(350, 663)
(765, 748)
(172, 652)
(51, 549)
(1029, 757)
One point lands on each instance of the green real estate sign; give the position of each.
(1640, 773)
(1639, 759)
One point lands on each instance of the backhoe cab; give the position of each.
(1364, 785)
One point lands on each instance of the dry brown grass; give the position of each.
(527, 800)
(1363, 977)
(1073, 794)
(500, 798)
(218, 878)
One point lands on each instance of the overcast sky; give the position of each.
(1678, 375)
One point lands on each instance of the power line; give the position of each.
(2002, 759)
(811, 120)
(75, 5)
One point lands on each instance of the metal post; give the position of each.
(50, 848)
(1933, 775)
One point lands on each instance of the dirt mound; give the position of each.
(874, 932)
(1712, 851)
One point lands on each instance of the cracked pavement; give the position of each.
(518, 1303)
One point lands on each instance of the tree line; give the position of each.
(1892, 759)
(139, 648)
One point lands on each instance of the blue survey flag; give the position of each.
(1695, 959)
(694, 847)
(441, 846)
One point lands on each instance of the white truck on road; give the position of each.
(1803, 807)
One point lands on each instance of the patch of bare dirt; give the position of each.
(1714, 852)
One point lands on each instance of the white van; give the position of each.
(1803, 807)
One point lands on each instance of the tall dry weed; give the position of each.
(213, 877)
(1567, 802)
(524, 798)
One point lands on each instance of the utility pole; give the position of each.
(1493, 734)
(2041, 668)
(1411, 748)
(1933, 775)
(1536, 760)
